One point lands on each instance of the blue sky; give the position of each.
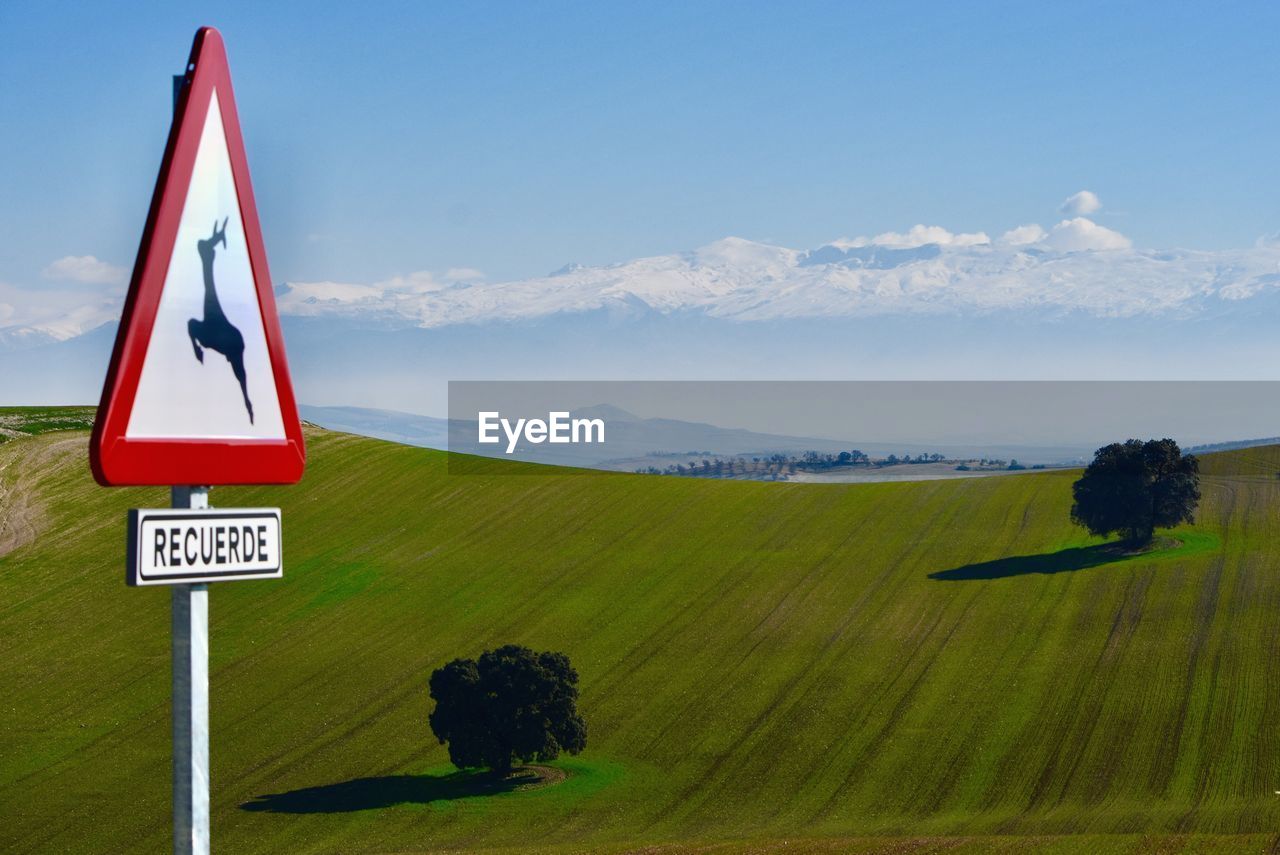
(515, 137)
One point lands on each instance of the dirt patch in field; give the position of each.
(535, 777)
(22, 517)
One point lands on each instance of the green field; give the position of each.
(20, 422)
(926, 666)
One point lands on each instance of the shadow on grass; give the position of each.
(388, 790)
(1062, 561)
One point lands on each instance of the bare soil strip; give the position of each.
(21, 515)
(536, 776)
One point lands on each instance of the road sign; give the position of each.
(184, 546)
(198, 388)
(198, 393)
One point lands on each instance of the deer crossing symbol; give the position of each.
(214, 331)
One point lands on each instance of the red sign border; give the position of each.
(118, 460)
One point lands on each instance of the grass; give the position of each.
(16, 422)
(765, 667)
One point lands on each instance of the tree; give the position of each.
(510, 705)
(1133, 488)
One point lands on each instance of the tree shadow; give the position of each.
(389, 790)
(1062, 561)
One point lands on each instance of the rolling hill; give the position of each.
(765, 667)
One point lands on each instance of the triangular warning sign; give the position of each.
(198, 389)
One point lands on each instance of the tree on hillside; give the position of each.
(510, 705)
(1133, 488)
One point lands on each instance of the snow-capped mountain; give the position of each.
(1078, 266)
(1076, 301)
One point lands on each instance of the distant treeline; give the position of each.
(1232, 446)
(780, 466)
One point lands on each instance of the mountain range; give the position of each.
(933, 271)
(1076, 301)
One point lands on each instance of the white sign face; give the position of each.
(183, 546)
(207, 373)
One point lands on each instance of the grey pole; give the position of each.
(190, 703)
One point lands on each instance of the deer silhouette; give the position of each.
(214, 331)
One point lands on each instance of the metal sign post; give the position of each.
(190, 645)
(189, 651)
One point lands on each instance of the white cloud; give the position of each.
(1023, 235)
(463, 274)
(919, 235)
(330, 292)
(405, 298)
(58, 312)
(741, 254)
(1080, 234)
(85, 269)
(418, 282)
(1084, 202)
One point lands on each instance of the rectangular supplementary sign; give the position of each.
(185, 546)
